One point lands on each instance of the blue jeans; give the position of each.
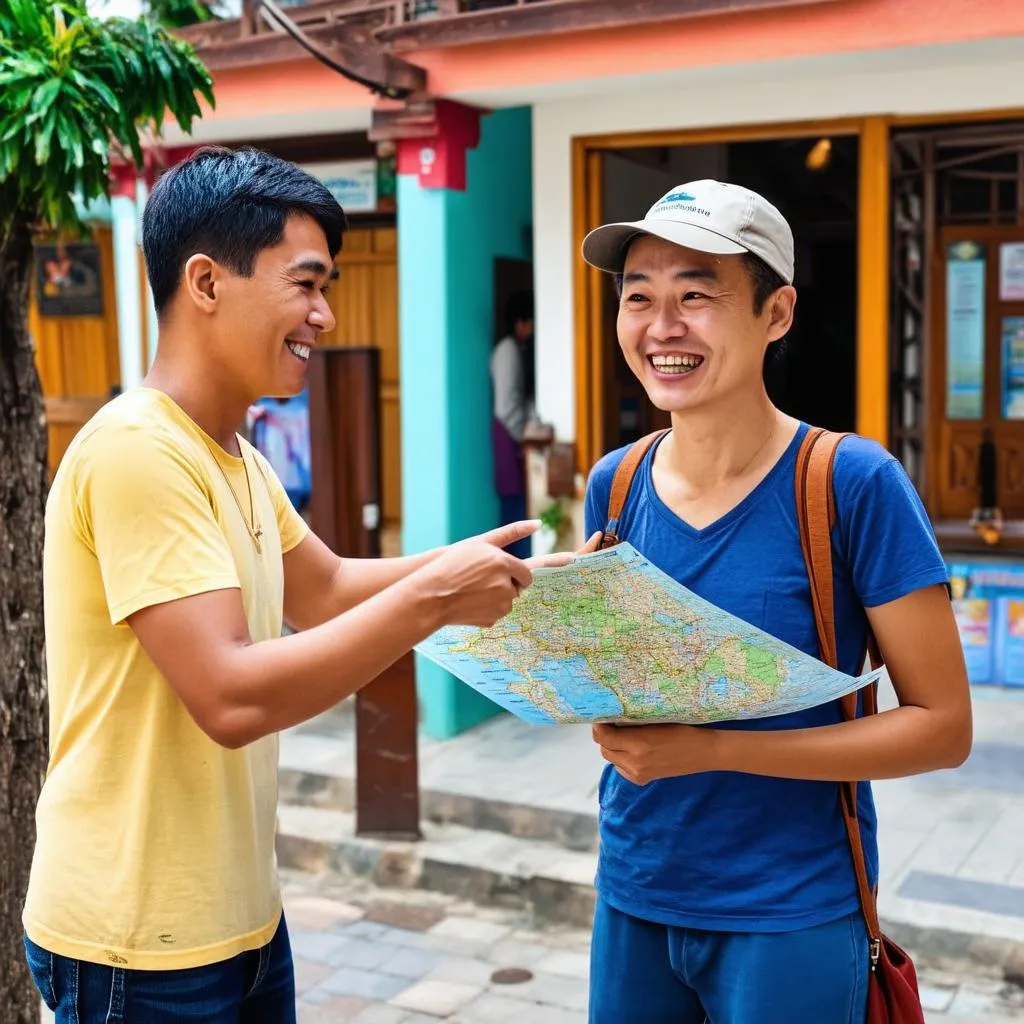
(252, 988)
(648, 973)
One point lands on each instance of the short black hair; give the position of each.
(519, 306)
(230, 204)
(765, 281)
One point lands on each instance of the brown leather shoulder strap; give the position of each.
(816, 511)
(621, 483)
(815, 503)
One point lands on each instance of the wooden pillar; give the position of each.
(345, 503)
(587, 187)
(873, 257)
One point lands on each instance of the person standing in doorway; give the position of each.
(726, 889)
(512, 391)
(172, 558)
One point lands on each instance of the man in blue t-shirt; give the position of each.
(726, 890)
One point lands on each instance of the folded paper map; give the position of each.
(611, 638)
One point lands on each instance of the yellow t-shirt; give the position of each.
(155, 846)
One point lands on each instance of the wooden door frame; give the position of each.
(873, 252)
(873, 246)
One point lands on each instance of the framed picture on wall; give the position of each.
(69, 280)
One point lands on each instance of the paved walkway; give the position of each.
(381, 957)
(952, 842)
(371, 956)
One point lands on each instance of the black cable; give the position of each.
(390, 92)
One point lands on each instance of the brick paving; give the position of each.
(395, 956)
(365, 955)
(375, 956)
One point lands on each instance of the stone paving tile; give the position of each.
(513, 952)
(492, 1008)
(554, 990)
(464, 970)
(437, 998)
(362, 954)
(338, 1008)
(404, 915)
(936, 998)
(316, 946)
(309, 974)
(313, 912)
(567, 962)
(412, 963)
(381, 1013)
(349, 981)
(468, 929)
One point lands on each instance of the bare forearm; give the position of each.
(901, 742)
(281, 682)
(359, 579)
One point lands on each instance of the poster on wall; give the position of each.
(1011, 272)
(974, 621)
(1010, 635)
(1013, 367)
(68, 279)
(988, 602)
(965, 331)
(352, 182)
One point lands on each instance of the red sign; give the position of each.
(440, 160)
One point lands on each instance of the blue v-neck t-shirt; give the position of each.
(747, 853)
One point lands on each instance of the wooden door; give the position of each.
(77, 358)
(365, 303)
(978, 359)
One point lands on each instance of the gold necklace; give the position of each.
(255, 530)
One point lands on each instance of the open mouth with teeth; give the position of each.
(299, 350)
(676, 365)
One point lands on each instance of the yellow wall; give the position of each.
(77, 357)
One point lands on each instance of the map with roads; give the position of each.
(611, 638)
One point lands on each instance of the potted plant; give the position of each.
(551, 520)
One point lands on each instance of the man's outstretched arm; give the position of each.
(237, 690)
(318, 585)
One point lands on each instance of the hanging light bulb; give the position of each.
(820, 155)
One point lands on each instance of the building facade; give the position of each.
(891, 135)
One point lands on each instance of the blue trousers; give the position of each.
(253, 988)
(644, 973)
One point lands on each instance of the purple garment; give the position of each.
(509, 464)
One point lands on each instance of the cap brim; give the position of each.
(605, 247)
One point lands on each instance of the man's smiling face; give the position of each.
(687, 325)
(272, 320)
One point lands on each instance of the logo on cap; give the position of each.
(678, 197)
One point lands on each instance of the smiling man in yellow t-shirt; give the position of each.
(172, 558)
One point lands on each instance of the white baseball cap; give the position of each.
(708, 216)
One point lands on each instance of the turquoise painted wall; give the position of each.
(447, 244)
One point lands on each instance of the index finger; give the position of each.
(509, 534)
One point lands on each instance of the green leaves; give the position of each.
(72, 87)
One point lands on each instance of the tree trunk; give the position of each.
(23, 710)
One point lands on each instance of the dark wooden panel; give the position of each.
(344, 390)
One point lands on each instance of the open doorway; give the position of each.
(814, 182)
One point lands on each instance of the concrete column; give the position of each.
(126, 274)
(448, 240)
(152, 328)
